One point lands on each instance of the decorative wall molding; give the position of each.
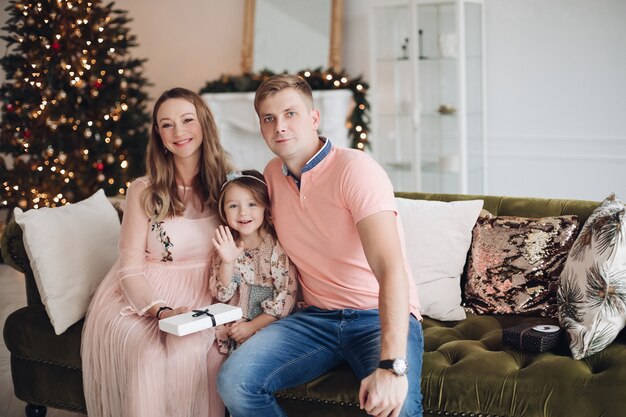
(552, 156)
(505, 137)
(586, 148)
(557, 166)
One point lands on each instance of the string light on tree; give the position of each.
(70, 88)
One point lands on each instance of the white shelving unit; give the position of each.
(428, 94)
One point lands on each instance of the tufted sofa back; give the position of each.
(517, 206)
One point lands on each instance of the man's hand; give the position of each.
(382, 393)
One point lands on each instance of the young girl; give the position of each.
(251, 270)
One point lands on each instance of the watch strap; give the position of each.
(386, 364)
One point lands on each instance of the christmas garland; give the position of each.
(358, 120)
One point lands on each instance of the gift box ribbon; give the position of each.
(203, 312)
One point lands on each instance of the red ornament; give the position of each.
(10, 108)
(56, 46)
(97, 84)
(100, 166)
(26, 133)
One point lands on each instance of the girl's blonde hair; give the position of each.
(258, 189)
(161, 199)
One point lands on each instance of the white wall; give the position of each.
(187, 42)
(556, 92)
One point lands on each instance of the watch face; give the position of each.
(400, 366)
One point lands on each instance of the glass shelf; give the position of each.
(395, 114)
(393, 60)
(437, 114)
(448, 58)
(422, 148)
(402, 166)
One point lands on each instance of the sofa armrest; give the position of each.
(14, 255)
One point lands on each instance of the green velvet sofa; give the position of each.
(466, 372)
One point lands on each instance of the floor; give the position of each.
(13, 296)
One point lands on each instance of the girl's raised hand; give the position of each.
(226, 246)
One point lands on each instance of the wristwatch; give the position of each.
(399, 366)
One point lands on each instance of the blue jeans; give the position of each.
(305, 345)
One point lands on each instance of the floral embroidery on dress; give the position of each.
(165, 240)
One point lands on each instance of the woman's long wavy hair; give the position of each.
(161, 199)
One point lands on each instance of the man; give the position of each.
(335, 216)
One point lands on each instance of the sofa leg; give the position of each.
(32, 410)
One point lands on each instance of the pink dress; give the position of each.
(130, 367)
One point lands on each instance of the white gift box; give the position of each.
(198, 319)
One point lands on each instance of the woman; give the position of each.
(130, 367)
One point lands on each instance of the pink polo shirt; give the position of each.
(316, 226)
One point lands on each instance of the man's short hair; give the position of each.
(280, 82)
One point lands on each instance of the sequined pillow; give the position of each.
(592, 292)
(515, 263)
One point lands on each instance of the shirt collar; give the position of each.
(315, 160)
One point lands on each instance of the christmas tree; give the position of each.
(73, 115)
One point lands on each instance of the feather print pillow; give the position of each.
(592, 292)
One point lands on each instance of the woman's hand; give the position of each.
(174, 312)
(226, 246)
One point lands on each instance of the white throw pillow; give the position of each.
(71, 248)
(592, 291)
(438, 236)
